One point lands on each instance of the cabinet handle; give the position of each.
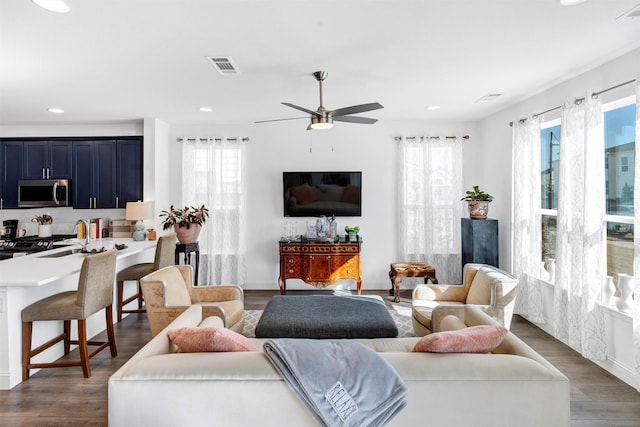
(117, 203)
(1, 203)
(48, 173)
(43, 176)
(95, 203)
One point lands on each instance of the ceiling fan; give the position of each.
(323, 119)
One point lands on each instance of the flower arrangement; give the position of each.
(42, 219)
(184, 217)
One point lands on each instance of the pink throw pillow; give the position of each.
(474, 339)
(195, 340)
(304, 194)
(351, 194)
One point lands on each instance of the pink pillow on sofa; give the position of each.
(474, 339)
(195, 339)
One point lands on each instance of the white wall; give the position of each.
(287, 146)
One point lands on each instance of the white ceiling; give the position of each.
(115, 60)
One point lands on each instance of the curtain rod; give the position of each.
(399, 138)
(577, 101)
(216, 139)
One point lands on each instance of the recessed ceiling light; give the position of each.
(433, 107)
(53, 5)
(56, 110)
(570, 2)
(206, 109)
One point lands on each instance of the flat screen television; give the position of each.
(322, 193)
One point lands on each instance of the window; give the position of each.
(550, 149)
(619, 141)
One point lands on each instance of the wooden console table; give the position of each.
(319, 264)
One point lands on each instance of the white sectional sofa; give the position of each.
(512, 386)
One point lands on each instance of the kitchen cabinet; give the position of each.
(11, 156)
(47, 159)
(107, 173)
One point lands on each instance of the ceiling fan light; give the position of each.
(321, 123)
(53, 5)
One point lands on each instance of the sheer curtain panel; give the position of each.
(213, 174)
(429, 206)
(581, 240)
(636, 241)
(527, 228)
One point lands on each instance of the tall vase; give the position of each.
(625, 300)
(608, 291)
(187, 235)
(551, 268)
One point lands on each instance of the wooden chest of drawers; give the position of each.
(319, 264)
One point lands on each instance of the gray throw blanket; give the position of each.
(341, 382)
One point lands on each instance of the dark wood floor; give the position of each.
(62, 397)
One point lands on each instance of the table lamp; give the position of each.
(138, 211)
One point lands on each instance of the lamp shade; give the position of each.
(138, 211)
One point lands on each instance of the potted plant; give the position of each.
(478, 202)
(186, 222)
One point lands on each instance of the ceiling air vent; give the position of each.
(224, 65)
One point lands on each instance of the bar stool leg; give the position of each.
(110, 334)
(27, 329)
(67, 336)
(82, 346)
(120, 298)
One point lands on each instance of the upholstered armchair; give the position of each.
(168, 292)
(492, 289)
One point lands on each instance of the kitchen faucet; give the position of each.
(84, 223)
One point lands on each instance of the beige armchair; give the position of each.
(168, 292)
(492, 289)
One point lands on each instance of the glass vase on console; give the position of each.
(322, 227)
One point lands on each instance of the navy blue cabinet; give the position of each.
(47, 160)
(107, 173)
(480, 241)
(11, 156)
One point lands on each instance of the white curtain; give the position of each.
(636, 240)
(213, 174)
(527, 228)
(429, 206)
(581, 240)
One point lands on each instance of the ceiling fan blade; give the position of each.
(355, 119)
(313, 113)
(280, 120)
(354, 109)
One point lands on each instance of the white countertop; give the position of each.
(37, 270)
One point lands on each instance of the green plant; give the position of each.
(477, 195)
(184, 217)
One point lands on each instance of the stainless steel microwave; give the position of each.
(40, 193)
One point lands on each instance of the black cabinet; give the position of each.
(106, 173)
(480, 241)
(47, 160)
(11, 156)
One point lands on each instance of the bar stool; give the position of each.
(95, 292)
(165, 250)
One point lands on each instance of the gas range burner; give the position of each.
(29, 244)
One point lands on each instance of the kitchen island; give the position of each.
(30, 278)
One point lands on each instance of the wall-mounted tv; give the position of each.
(322, 193)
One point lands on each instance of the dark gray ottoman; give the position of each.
(325, 317)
